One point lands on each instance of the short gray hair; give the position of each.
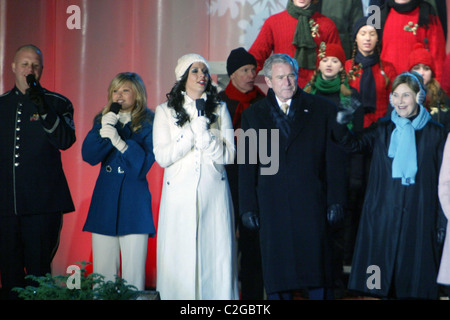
(279, 58)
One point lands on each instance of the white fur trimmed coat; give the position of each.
(196, 256)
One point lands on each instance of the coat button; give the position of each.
(108, 168)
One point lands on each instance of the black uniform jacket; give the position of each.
(31, 172)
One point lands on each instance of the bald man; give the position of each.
(36, 125)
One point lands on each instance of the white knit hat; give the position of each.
(185, 62)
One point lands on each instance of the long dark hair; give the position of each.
(175, 99)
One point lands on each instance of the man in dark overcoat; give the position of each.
(295, 196)
(239, 94)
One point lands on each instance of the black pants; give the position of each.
(27, 247)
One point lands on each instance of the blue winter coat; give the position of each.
(121, 203)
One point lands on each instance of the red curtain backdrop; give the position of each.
(143, 36)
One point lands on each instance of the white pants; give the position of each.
(106, 253)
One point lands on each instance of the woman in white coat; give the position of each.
(193, 140)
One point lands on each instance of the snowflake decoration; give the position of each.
(261, 10)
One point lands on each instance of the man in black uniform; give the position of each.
(36, 125)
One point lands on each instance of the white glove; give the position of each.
(110, 119)
(199, 125)
(203, 140)
(110, 132)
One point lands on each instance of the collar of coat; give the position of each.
(301, 105)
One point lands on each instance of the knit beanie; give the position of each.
(420, 55)
(238, 58)
(361, 22)
(331, 50)
(186, 61)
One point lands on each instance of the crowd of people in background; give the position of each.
(360, 116)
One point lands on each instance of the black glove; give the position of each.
(440, 236)
(36, 94)
(250, 220)
(441, 227)
(335, 214)
(346, 110)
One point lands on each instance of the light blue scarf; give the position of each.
(403, 145)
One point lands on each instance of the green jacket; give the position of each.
(344, 14)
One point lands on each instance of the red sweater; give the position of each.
(277, 34)
(398, 43)
(380, 85)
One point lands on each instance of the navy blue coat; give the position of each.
(397, 233)
(121, 203)
(292, 203)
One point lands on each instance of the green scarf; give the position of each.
(305, 54)
(332, 86)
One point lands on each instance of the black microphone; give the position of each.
(115, 107)
(31, 80)
(200, 104)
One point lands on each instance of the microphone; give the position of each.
(115, 107)
(31, 80)
(200, 105)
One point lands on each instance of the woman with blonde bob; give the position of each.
(121, 141)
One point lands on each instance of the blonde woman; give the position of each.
(120, 214)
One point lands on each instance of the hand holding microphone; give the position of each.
(36, 94)
(109, 131)
(111, 118)
(200, 126)
(200, 123)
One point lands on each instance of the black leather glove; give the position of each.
(440, 236)
(346, 110)
(36, 95)
(250, 220)
(441, 227)
(335, 214)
